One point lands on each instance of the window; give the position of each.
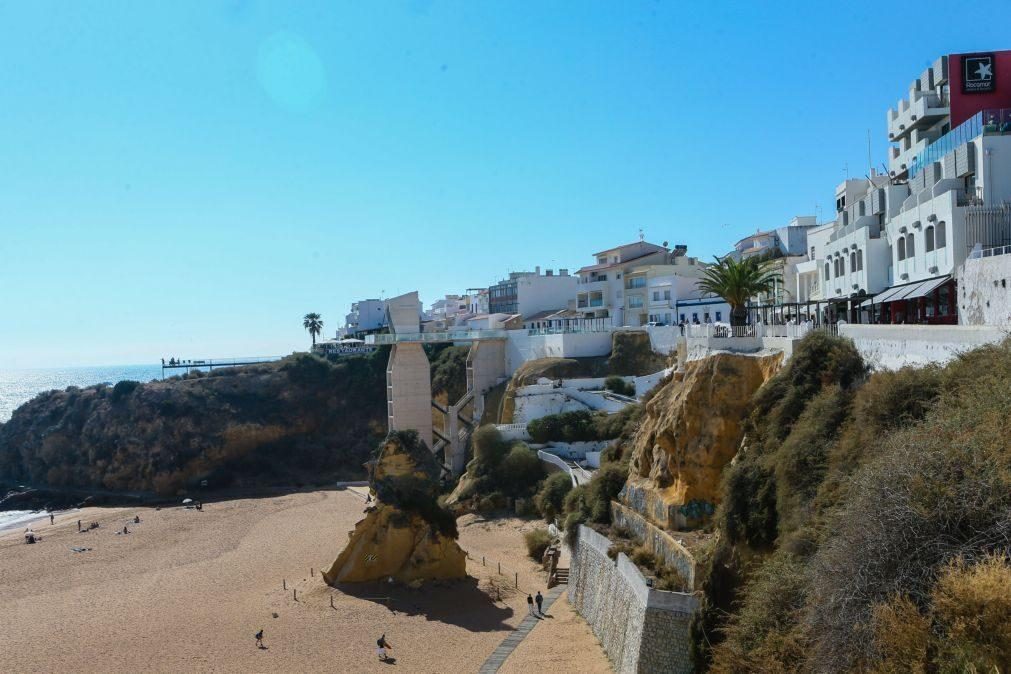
(939, 240)
(635, 301)
(826, 272)
(695, 317)
(853, 261)
(900, 248)
(860, 260)
(705, 317)
(719, 316)
(656, 295)
(666, 294)
(638, 282)
(910, 245)
(812, 252)
(928, 239)
(682, 317)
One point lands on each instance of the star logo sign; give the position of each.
(979, 73)
(985, 71)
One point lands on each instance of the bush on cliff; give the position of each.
(591, 503)
(616, 384)
(499, 468)
(583, 425)
(449, 371)
(892, 521)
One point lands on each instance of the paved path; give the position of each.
(509, 644)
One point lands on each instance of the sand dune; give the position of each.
(186, 590)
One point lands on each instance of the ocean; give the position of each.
(19, 386)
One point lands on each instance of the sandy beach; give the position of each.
(186, 590)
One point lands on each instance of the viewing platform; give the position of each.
(211, 363)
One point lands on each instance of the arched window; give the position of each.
(860, 260)
(928, 239)
(900, 248)
(853, 261)
(842, 266)
(940, 239)
(910, 245)
(827, 276)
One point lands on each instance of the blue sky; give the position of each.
(189, 178)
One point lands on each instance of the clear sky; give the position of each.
(189, 178)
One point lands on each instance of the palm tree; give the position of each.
(314, 324)
(737, 281)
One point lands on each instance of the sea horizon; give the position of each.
(19, 385)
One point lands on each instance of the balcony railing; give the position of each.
(435, 337)
(985, 122)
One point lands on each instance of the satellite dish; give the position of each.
(664, 244)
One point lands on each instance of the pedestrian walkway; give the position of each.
(509, 644)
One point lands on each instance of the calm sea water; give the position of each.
(19, 386)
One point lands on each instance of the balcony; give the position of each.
(983, 123)
(922, 110)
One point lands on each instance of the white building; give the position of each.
(652, 292)
(528, 293)
(600, 293)
(366, 316)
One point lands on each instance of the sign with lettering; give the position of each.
(978, 73)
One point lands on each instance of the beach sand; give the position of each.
(186, 590)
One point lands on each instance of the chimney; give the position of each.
(563, 272)
(548, 272)
(537, 270)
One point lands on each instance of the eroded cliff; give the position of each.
(691, 430)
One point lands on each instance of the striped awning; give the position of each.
(907, 291)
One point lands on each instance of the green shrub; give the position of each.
(123, 389)
(489, 449)
(550, 499)
(537, 542)
(616, 384)
(449, 372)
(584, 426)
(520, 471)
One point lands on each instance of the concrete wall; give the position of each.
(891, 347)
(984, 291)
(538, 400)
(642, 630)
(409, 390)
(656, 540)
(522, 346)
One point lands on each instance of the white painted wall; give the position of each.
(984, 291)
(891, 347)
(521, 346)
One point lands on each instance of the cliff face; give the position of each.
(691, 429)
(300, 420)
(405, 535)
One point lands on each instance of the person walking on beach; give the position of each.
(78, 526)
(382, 644)
(52, 519)
(259, 640)
(530, 604)
(540, 602)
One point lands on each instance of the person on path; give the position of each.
(530, 604)
(78, 526)
(52, 519)
(540, 602)
(382, 644)
(259, 640)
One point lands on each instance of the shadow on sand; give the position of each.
(454, 602)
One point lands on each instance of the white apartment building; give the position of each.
(898, 241)
(652, 292)
(366, 316)
(600, 293)
(528, 293)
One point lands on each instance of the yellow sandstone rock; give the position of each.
(690, 431)
(405, 535)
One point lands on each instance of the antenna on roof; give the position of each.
(642, 237)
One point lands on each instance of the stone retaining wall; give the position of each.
(641, 629)
(656, 540)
